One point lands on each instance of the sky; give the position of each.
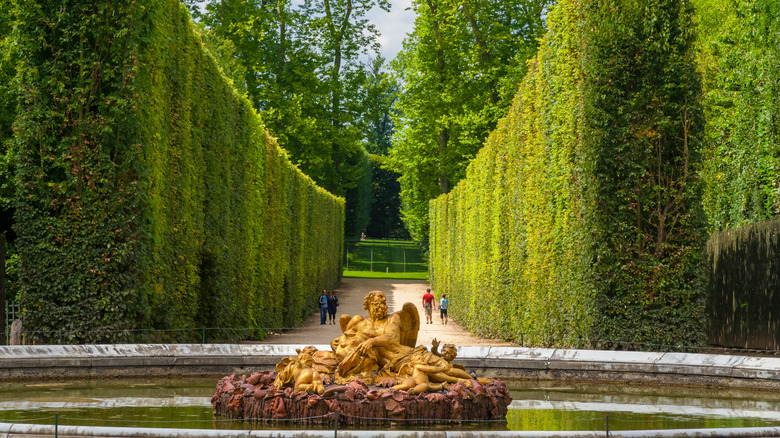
(393, 26)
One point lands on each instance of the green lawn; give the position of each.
(397, 275)
(373, 258)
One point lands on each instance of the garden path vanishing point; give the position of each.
(351, 292)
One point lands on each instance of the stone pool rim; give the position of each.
(51, 362)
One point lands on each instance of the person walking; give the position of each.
(443, 303)
(427, 301)
(333, 303)
(323, 307)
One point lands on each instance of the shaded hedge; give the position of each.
(385, 219)
(149, 194)
(744, 287)
(577, 223)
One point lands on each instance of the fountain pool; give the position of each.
(542, 406)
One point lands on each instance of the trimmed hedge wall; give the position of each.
(740, 59)
(744, 287)
(577, 223)
(150, 195)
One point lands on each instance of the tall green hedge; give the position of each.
(577, 223)
(740, 59)
(743, 305)
(149, 194)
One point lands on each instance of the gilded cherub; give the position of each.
(300, 371)
(418, 369)
(422, 370)
(451, 372)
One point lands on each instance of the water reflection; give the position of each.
(185, 403)
(563, 406)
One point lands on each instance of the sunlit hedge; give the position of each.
(150, 195)
(740, 60)
(577, 225)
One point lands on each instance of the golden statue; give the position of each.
(368, 344)
(378, 349)
(300, 372)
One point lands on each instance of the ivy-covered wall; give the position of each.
(149, 194)
(577, 224)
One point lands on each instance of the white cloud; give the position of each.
(393, 26)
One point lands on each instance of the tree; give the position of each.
(459, 68)
(385, 220)
(303, 75)
(381, 94)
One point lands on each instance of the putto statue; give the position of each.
(375, 371)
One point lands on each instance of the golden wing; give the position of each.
(410, 324)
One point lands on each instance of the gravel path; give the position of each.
(351, 292)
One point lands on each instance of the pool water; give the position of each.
(550, 406)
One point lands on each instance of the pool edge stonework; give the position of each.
(511, 363)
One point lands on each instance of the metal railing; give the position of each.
(12, 312)
(389, 256)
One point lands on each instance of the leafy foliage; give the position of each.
(149, 193)
(459, 68)
(740, 58)
(385, 219)
(9, 100)
(381, 96)
(743, 305)
(576, 224)
(302, 73)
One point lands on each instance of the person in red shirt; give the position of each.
(428, 306)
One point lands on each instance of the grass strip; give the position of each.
(394, 275)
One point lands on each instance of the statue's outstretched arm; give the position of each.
(432, 369)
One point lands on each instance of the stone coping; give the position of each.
(9, 430)
(138, 360)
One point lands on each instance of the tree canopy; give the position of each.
(459, 69)
(304, 74)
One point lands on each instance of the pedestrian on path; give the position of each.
(323, 307)
(333, 303)
(443, 303)
(427, 301)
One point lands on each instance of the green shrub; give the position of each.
(740, 59)
(149, 194)
(576, 224)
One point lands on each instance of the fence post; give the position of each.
(371, 266)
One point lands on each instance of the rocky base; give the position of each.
(255, 398)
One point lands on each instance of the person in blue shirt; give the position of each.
(443, 303)
(323, 307)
